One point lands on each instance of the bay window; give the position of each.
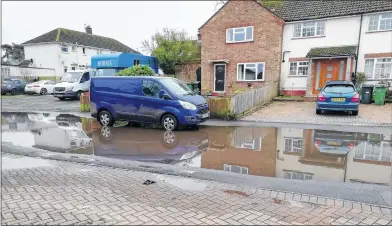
(378, 68)
(309, 29)
(239, 34)
(380, 22)
(250, 72)
(299, 68)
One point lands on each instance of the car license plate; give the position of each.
(338, 99)
(334, 143)
(205, 115)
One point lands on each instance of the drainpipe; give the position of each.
(359, 43)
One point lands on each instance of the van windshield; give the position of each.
(176, 86)
(71, 77)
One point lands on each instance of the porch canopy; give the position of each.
(332, 52)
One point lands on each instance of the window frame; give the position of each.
(297, 68)
(379, 15)
(317, 22)
(73, 48)
(84, 50)
(375, 62)
(62, 47)
(152, 81)
(292, 144)
(245, 34)
(257, 80)
(241, 168)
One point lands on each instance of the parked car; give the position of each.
(12, 86)
(146, 99)
(338, 96)
(40, 87)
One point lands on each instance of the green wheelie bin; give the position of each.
(380, 92)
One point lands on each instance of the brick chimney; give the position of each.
(88, 29)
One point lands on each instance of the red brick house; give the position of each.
(241, 48)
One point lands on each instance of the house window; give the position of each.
(84, 50)
(239, 34)
(381, 151)
(99, 52)
(73, 48)
(378, 68)
(5, 72)
(250, 72)
(299, 68)
(293, 144)
(65, 69)
(235, 169)
(380, 22)
(64, 48)
(309, 29)
(297, 175)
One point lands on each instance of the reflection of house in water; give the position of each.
(24, 121)
(241, 150)
(333, 156)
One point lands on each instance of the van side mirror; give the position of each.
(319, 89)
(164, 95)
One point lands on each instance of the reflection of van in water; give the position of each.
(156, 100)
(73, 84)
(148, 144)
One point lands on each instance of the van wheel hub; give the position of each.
(105, 119)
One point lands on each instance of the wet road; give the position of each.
(289, 153)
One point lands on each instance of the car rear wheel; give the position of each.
(169, 122)
(318, 111)
(354, 113)
(43, 91)
(79, 94)
(14, 91)
(105, 118)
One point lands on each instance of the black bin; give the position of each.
(367, 93)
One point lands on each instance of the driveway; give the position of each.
(48, 103)
(304, 112)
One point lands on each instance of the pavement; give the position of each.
(305, 112)
(39, 191)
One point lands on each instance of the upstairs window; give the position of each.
(309, 29)
(239, 34)
(73, 48)
(64, 48)
(378, 68)
(299, 68)
(84, 50)
(250, 72)
(380, 22)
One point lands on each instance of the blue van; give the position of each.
(146, 99)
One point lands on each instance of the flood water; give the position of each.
(297, 154)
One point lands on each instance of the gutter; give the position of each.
(359, 43)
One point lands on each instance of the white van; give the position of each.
(73, 84)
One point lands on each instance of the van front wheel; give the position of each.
(169, 122)
(105, 118)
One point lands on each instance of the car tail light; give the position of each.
(351, 145)
(321, 97)
(317, 143)
(355, 98)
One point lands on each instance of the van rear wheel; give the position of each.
(169, 122)
(105, 118)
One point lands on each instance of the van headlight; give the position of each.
(187, 105)
(69, 88)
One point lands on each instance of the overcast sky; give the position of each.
(128, 22)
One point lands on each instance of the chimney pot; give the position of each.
(88, 29)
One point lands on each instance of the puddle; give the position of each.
(182, 183)
(294, 154)
(9, 163)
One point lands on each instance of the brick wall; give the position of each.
(187, 71)
(266, 46)
(378, 55)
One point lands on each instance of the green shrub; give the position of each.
(137, 70)
(226, 115)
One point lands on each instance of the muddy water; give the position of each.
(294, 154)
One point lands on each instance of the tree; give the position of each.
(171, 46)
(137, 70)
(12, 53)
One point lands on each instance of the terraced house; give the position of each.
(64, 49)
(305, 43)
